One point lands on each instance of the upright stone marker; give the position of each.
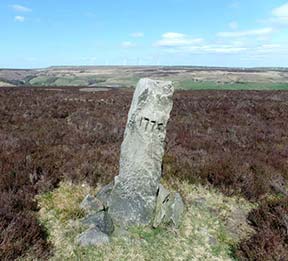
(133, 197)
(136, 197)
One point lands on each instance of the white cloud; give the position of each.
(232, 49)
(182, 43)
(172, 39)
(257, 32)
(280, 14)
(137, 34)
(233, 25)
(281, 11)
(127, 44)
(19, 18)
(236, 42)
(20, 8)
(172, 35)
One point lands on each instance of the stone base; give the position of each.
(168, 211)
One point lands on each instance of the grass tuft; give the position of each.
(203, 235)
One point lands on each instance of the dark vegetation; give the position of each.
(235, 141)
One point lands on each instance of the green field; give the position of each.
(182, 84)
(191, 85)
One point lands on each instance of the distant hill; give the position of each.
(185, 77)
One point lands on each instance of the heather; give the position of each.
(233, 141)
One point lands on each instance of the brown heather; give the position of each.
(234, 140)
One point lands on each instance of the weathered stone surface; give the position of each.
(104, 194)
(133, 197)
(92, 237)
(101, 221)
(176, 208)
(169, 208)
(91, 204)
(161, 206)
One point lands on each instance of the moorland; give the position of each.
(226, 152)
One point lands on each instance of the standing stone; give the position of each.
(133, 197)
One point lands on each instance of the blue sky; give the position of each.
(143, 32)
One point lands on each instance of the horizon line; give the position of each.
(156, 66)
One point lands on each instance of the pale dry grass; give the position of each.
(5, 84)
(203, 235)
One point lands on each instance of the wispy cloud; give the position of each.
(224, 49)
(280, 14)
(216, 49)
(182, 43)
(232, 49)
(172, 39)
(268, 48)
(281, 11)
(236, 34)
(178, 43)
(127, 44)
(21, 8)
(19, 18)
(137, 34)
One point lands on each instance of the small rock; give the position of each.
(162, 194)
(212, 241)
(91, 204)
(92, 237)
(169, 208)
(104, 194)
(161, 205)
(100, 220)
(177, 208)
